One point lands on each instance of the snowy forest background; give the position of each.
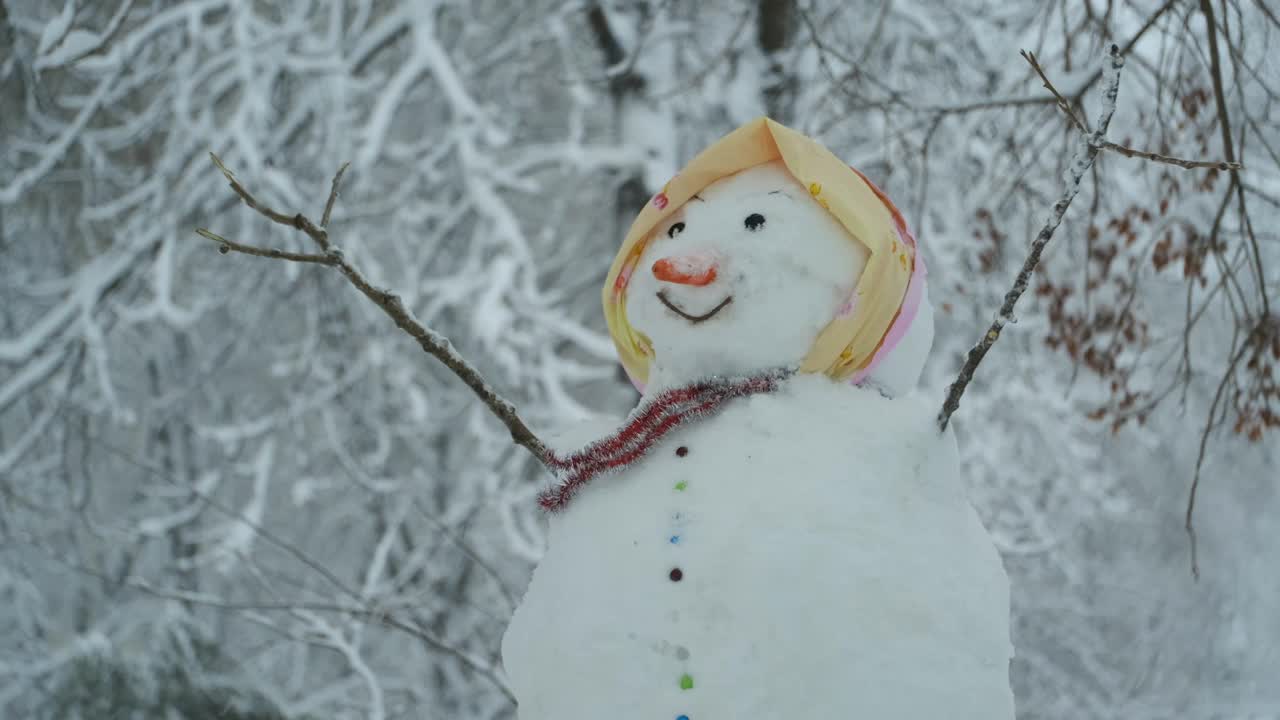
(230, 488)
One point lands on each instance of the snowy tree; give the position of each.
(231, 481)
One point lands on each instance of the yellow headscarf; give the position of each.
(850, 343)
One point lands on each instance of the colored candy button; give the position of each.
(686, 682)
(676, 575)
(681, 486)
(682, 451)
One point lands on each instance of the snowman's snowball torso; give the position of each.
(828, 565)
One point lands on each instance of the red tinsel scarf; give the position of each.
(648, 424)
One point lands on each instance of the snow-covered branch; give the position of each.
(1089, 145)
(430, 341)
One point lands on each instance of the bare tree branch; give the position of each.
(1063, 105)
(432, 342)
(1228, 146)
(225, 246)
(1228, 165)
(1188, 520)
(1223, 165)
(1091, 144)
(333, 194)
(272, 215)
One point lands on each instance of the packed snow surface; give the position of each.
(808, 553)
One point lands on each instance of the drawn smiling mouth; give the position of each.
(662, 295)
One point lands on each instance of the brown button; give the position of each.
(682, 451)
(676, 575)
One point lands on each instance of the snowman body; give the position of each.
(806, 553)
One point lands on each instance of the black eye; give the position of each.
(754, 221)
(676, 229)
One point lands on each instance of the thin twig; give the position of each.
(333, 195)
(1091, 144)
(1223, 165)
(435, 344)
(1188, 523)
(247, 197)
(381, 615)
(1228, 147)
(225, 246)
(1030, 57)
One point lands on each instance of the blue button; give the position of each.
(675, 540)
(683, 717)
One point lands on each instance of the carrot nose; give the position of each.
(685, 270)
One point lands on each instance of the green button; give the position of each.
(686, 682)
(681, 486)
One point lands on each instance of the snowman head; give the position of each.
(767, 252)
(742, 277)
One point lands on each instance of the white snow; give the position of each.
(233, 540)
(788, 279)
(57, 28)
(74, 44)
(832, 568)
(898, 372)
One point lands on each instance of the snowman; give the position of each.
(778, 530)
